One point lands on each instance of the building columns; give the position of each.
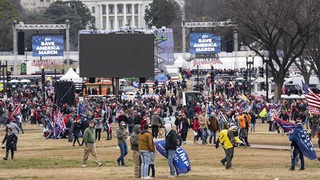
(133, 19)
(124, 6)
(116, 24)
(107, 17)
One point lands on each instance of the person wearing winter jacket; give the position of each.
(76, 131)
(171, 146)
(146, 146)
(135, 151)
(11, 139)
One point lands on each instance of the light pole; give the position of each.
(212, 83)
(198, 71)
(43, 81)
(26, 49)
(267, 79)
(250, 67)
(265, 59)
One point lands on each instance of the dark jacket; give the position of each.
(76, 129)
(137, 119)
(171, 140)
(11, 141)
(134, 138)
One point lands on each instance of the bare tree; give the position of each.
(304, 66)
(281, 27)
(313, 54)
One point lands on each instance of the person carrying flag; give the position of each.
(295, 150)
(301, 145)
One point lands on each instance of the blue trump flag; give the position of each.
(81, 109)
(285, 125)
(301, 137)
(180, 160)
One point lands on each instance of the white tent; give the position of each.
(179, 61)
(71, 76)
(78, 70)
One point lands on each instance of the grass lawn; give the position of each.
(38, 158)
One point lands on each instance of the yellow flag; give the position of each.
(263, 113)
(244, 97)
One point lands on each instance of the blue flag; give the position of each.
(285, 125)
(81, 109)
(301, 137)
(180, 160)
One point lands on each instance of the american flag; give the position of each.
(59, 125)
(312, 98)
(314, 111)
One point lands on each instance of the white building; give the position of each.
(108, 14)
(113, 14)
(35, 5)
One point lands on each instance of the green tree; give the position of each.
(76, 12)
(8, 13)
(162, 13)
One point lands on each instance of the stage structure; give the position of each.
(21, 26)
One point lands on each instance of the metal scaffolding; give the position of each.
(21, 26)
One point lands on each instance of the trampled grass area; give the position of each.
(38, 158)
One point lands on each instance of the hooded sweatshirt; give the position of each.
(171, 138)
(134, 138)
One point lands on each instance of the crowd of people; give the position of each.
(143, 119)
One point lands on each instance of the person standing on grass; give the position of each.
(90, 145)
(228, 139)
(153, 156)
(122, 136)
(171, 147)
(135, 151)
(76, 132)
(155, 123)
(213, 128)
(11, 139)
(196, 128)
(296, 152)
(98, 126)
(203, 120)
(146, 146)
(253, 121)
(15, 129)
(244, 122)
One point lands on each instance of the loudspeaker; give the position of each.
(142, 80)
(21, 47)
(92, 80)
(229, 43)
(64, 93)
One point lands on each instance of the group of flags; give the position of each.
(59, 125)
(313, 103)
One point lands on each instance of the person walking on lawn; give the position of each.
(90, 145)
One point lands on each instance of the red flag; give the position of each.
(16, 111)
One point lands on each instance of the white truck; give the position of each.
(172, 72)
(313, 81)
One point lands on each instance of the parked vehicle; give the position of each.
(289, 89)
